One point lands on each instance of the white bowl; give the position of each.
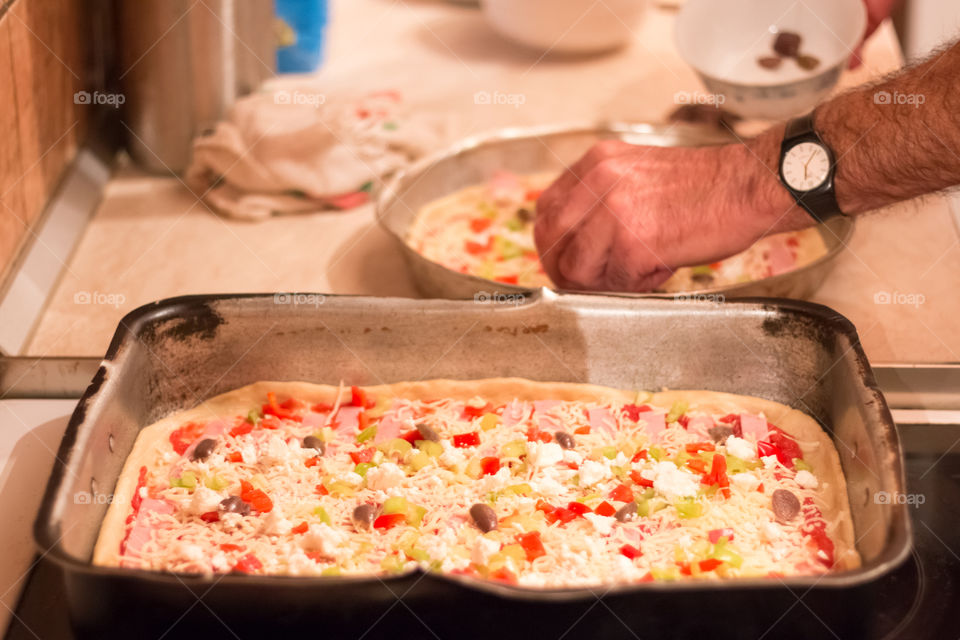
(565, 26)
(722, 40)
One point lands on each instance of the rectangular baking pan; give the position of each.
(175, 353)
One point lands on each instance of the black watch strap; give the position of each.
(820, 202)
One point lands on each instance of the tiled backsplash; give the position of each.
(43, 63)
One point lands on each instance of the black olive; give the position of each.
(720, 433)
(626, 513)
(313, 442)
(786, 505)
(364, 515)
(484, 517)
(565, 440)
(427, 432)
(524, 215)
(235, 504)
(203, 449)
(702, 278)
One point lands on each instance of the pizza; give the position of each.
(486, 230)
(540, 485)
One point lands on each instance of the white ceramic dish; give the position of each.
(565, 26)
(722, 41)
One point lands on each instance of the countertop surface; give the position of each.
(152, 239)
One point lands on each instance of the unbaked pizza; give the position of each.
(534, 484)
(486, 230)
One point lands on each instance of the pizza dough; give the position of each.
(586, 485)
(486, 230)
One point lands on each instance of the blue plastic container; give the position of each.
(301, 31)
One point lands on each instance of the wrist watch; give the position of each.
(807, 169)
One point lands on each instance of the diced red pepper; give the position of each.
(683, 420)
(242, 428)
(475, 412)
(141, 483)
(765, 448)
(532, 544)
(564, 515)
(639, 455)
(234, 456)
(633, 411)
(760, 488)
(259, 501)
(787, 445)
(480, 224)
(513, 279)
(733, 420)
(359, 398)
(300, 528)
(411, 436)
(545, 506)
(312, 462)
(270, 422)
(716, 534)
(503, 575)
(648, 577)
(532, 195)
(210, 516)
(463, 440)
(630, 551)
(322, 407)
(248, 564)
(718, 475)
(621, 493)
(363, 455)
(709, 564)
(322, 490)
(582, 431)
(229, 546)
(183, 437)
(316, 556)
(579, 508)
(685, 568)
(697, 447)
(475, 248)
(363, 421)
(389, 520)
(569, 465)
(605, 509)
(640, 480)
(489, 465)
(697, 464)
(284, 411)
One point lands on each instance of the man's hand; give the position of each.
(624, 217)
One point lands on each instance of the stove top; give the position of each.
(914, 602)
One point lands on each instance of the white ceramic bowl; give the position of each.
(722, 40)
(565, 26)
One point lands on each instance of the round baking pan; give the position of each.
(541, 149)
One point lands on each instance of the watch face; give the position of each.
(805, 166)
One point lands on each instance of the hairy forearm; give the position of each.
(893, 141)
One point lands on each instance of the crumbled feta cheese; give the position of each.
(452, 457)
(674, 483)
(434, 547)
(806, 479)
(386, 476)
(569, 455)
(593, 472)
(483, 548)
(274, 524)
(300, 564)
(602, 524)
(544, 454)
(745, 481)
(220, 562)
(497, 481)
(350, 477)
(769, 462)
(619, 461)
(276, 451)
(189, 553)
(204, 500)
(231, 520)
(741, 448)
(771, 531)
(323, 538)
(248, 453)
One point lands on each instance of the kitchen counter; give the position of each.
(152, 239)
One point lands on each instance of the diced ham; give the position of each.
(504, 186)
(654, 424)
(513, 413)
(388, 428)
(212, 429)
(543, 407)
(700, 426)
(347, 419)
(781, 257)
(314, 420)
(140, 532)
(601, 420)
(754, 427)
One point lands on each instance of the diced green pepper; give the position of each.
(418, 460)
(678, 409)
(701, 270)
(658, 454)
(801, 465)
(395, 446)
(216, 482)
(739, 465)
(392, 563)
(330, 571)
(723, 552)
(432, 449)
(254, 416)
(395, 504)
(665, 573)
(514, 224)
(514, 449)
(321, 513)
(367, 434)
(689, 508)
(362, 468)
(522, 489)
(507, 249)
(187, 480)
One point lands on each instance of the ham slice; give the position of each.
(347, 419)
(541, 408)
(654, 424)
(601, 419)
(754, 427)
(314, 420)
(700, 426)
(140, 532)
(505, 187)
(388, 428)
(212, 429)
(781, 256)
(513, 413)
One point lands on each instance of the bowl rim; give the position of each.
(861, 21)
